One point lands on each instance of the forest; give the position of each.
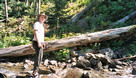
(67, 20)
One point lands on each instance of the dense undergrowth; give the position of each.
(60, 12)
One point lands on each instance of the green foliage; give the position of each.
(132, 48)
(108, 12)
(62, 55)
(98, 22)
(18, 9)
(14, 41)
(2, 12)
(117, 44)
(96, 46)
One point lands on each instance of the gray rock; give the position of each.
(108, 52)
(26, 66)
(119, 67)
(10, 64)
(46, 62)
(71, 73)
(99, 65)
(74, 64)
(89, 50)
(117, 62)
(51, 76)
(82, 62)
(8, 73)
(74, 59)
(29, 62)
(74, 53)
(53, 62)
(134, 70)
(62, 65)
(115, 70)
(87, 75)
(95, 58)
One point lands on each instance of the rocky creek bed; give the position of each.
(80, 65)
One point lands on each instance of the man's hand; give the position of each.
(40, 45)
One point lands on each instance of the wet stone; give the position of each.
(26, 66)
(46, 62)
(82, 62)
(134, 70)
(119, 67)
(108, 52)
(74, 59)
(89, 50)
(53, 62)
(73, 73)
(29, 62)
(74, 53)
(10, 64)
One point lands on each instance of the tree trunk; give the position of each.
(26, 2)
(123, 20)
(6, 12)
(71, 42)
(31, 4)
(39, 3)
(77, 16)
(35, 8)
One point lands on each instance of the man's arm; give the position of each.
(36, 37)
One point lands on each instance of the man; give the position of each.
(38, 42)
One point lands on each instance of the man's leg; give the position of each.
(38, 58)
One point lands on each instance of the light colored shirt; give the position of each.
(39, 31)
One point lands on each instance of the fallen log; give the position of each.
(123, 20)
(70, 42)
(78, 15)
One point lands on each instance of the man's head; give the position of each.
(42, 17)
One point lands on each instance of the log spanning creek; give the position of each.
(87, 65)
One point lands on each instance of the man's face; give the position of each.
(42, 18)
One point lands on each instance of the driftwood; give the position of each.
(70, 42)
(133, 14)
(77, 16)
(126, 58)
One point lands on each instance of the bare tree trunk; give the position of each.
(27, 2)
(6, 12)
(71, 42)
(35, 9)
(39, 3)
(91, 5)
(31, 4)
(123, 20)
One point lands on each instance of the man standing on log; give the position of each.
(38, 42)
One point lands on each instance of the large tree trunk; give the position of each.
(91, 5)
(70, 42)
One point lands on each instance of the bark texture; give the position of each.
(70, 42)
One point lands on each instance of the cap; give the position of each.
(42, 14)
